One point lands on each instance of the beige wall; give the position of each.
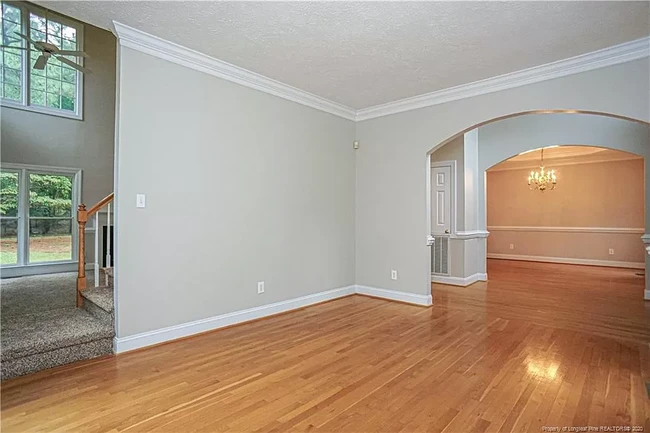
(241, 187)
(607, 194)
(591, 197)
(40, 139)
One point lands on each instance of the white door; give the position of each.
(440, 200)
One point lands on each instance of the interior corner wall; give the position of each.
(391, 170)
(241, 186)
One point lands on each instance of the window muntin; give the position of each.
(37, 214)
(11, 79)
(57, 89)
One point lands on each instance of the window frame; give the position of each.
(23, 217)
(25, 76)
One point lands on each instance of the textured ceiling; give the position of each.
(362, 54)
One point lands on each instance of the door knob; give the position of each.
(446, 231)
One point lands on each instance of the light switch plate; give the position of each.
(140, 200)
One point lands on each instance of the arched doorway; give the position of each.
(476, 150)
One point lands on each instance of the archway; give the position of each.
(483, 146)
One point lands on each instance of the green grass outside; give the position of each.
(41, 249)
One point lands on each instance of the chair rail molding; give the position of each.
(614, 230)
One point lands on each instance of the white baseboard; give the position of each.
(132, 342)
(137, 341)
(568, 261)
(646, 295)
(393, 295)
(458, 281)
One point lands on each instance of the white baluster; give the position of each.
(108, 241)
(97, 249)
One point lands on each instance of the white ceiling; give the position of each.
(362, 54)
(562, 155)
(566, 152)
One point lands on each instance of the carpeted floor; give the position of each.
(39, 319)
(39, 293)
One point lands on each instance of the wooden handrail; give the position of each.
(82, 219)
(103, 202)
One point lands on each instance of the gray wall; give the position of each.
(241, 187)
(391, 164)
(40, 139)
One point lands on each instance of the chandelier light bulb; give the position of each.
(542, 180)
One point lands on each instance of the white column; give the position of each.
(475, 234)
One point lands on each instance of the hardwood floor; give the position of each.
(538, 345)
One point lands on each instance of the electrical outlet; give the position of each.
(512, 246)
(260, 287)
(611, 251)
(393, 274)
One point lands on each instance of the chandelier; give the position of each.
(542, 180)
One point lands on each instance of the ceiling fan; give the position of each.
(48, 50)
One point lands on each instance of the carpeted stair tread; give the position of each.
(46, 331)
(100, 296)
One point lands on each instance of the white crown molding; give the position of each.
(155, 46)
(613, 230)
(158, 47)
(622, 53)
(567, 260)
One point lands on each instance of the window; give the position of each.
(56, 89)
(37, 214)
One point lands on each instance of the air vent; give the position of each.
(440, 256)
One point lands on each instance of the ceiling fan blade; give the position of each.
(71, 53)
(25, 37)
(41, 62)
(14, 48)
(73, 64)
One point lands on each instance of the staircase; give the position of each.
(78, 327)
(98, 301)
(44, 339)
